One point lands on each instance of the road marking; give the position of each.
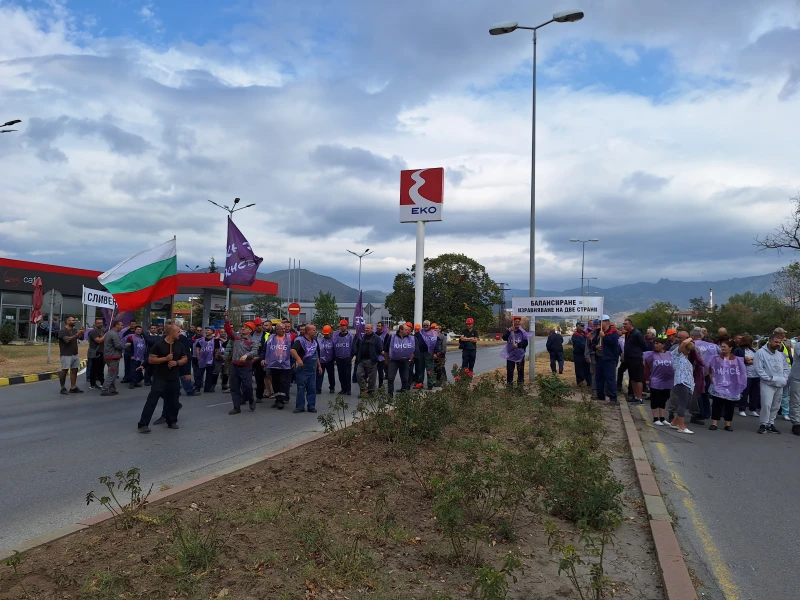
(644, 416)
(718, 565)
(220, 404)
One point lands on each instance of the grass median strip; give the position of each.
(477, 491)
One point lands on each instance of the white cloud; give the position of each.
(125, 141)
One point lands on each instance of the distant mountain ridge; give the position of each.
(311, 284)
(635, 297)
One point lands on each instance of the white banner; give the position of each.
(589, 307)
(217, 303)
(98, 298)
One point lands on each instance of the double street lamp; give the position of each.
(568, 16)
(366, 252)
(583, 256)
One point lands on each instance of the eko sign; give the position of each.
(421, 195)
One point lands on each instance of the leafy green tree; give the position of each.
(326, 310)
(660, 315)
(266, 305)
(212, 266)
(456, 287)
(180, 305)
(765, 312)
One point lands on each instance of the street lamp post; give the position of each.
(366, 252)
(568, 16)
(9, 124)
(583, 256)
(230, 212)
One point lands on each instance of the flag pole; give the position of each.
(50, 328)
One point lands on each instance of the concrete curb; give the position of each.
(4, 381)
(57, 534)
(677, 582)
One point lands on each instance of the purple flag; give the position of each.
(358, 318)
(241, 264)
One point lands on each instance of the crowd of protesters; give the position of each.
(689, 372)
(261, 361)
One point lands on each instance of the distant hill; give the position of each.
(634, 297)
(311, 284)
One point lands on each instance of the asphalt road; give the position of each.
(735, 498)
(54, 448)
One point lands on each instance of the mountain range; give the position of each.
(620, 300)
(311, 284)
(635, 297)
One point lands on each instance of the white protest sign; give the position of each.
(98, 298)
(217, 303)
(590, 307)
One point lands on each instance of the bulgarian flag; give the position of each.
(143, 278)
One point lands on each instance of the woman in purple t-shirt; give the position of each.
(660, 377)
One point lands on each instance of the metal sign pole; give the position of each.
(419, 277)
(50, 328)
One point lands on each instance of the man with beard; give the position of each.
(96, 339)
(70, 361)
(469, 345)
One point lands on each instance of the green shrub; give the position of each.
(551, 390)
(569, 354)
(579, 483)
(7, 334)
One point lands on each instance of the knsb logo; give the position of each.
(421, 195)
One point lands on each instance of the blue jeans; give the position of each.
(307, 385)
(241, 385)
(606, 374)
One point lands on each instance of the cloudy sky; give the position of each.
(667, 129)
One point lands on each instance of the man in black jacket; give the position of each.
(635, 347)
(555, 346)
(367, 350)
(582, 371)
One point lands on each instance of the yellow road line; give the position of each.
(718, 565)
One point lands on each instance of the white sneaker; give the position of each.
(754, 414)
(786, 418)
(684, 431)
(658, 423)
(742, 413)
(672, 426)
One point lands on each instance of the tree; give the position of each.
(456, 287)
(660, 315)
(326, 311)
(266, 305)
(753, 313)
(787, 236)
(786, 288)
(212, 266)
(181, 306)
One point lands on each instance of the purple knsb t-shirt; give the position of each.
(662, 376)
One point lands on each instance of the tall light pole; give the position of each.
(589, 286)
(230, 212)
(366, 252)
(583, 256)
(568, 16)
(9, 124)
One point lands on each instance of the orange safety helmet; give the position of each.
(326, 330)
(251, 325)
(417, 327)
